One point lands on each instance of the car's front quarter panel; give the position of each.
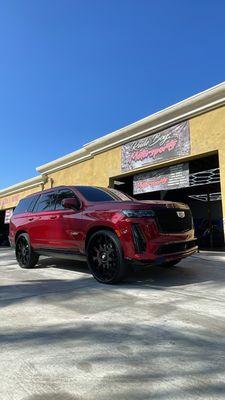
(123, 227)
(154, 239)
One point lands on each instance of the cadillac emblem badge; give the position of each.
(181, 214)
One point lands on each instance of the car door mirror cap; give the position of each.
(71, 203)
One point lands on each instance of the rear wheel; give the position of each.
(105, 257)
(169, 264)
(25, 255)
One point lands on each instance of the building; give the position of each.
(175, 154)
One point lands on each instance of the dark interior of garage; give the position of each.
(4, 230)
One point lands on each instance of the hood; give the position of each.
(163, 204)
(136, 204)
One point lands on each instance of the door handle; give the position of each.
(30, 219)
(53, 217)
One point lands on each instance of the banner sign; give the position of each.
(174, 177)
(8, 214)
(171, 143)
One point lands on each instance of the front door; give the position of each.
(65, 225)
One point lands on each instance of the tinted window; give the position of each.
(23, 205)
(33, 202)
(46, 202)
(97, 194)
(63, 194)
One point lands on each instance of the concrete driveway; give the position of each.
(159, 335)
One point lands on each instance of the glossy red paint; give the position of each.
(69, 229)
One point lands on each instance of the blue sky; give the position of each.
(74, 70)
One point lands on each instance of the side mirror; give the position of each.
(72, 202)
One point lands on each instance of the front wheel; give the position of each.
(25, 255)
(105, 257)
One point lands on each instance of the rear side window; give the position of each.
(33, 202)
(63, 194)
(46, 202)
(23, 205)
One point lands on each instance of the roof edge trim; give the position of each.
(25, 185)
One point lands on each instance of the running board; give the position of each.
(64, 254)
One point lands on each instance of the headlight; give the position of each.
(138, 213)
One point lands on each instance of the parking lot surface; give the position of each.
(159, 335)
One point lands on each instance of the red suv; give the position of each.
(106, 227)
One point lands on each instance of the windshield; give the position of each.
(102, 194)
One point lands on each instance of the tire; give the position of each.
(25, 255)
(169, 264)
(105, 257)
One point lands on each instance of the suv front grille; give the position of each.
(169, 221)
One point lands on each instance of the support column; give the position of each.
(222, 183)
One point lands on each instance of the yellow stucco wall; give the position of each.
(208, 132)
(72, 175)
(95, 171)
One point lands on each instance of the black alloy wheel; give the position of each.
(25, 256)
(105, 258)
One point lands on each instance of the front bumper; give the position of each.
(177, 247)
(142, 242)
(166, 252)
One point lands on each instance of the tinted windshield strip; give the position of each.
(118, 195)
(96, 194)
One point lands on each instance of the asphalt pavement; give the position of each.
(159, 335)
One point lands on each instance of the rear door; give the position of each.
(22, 218)
(42, 224)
